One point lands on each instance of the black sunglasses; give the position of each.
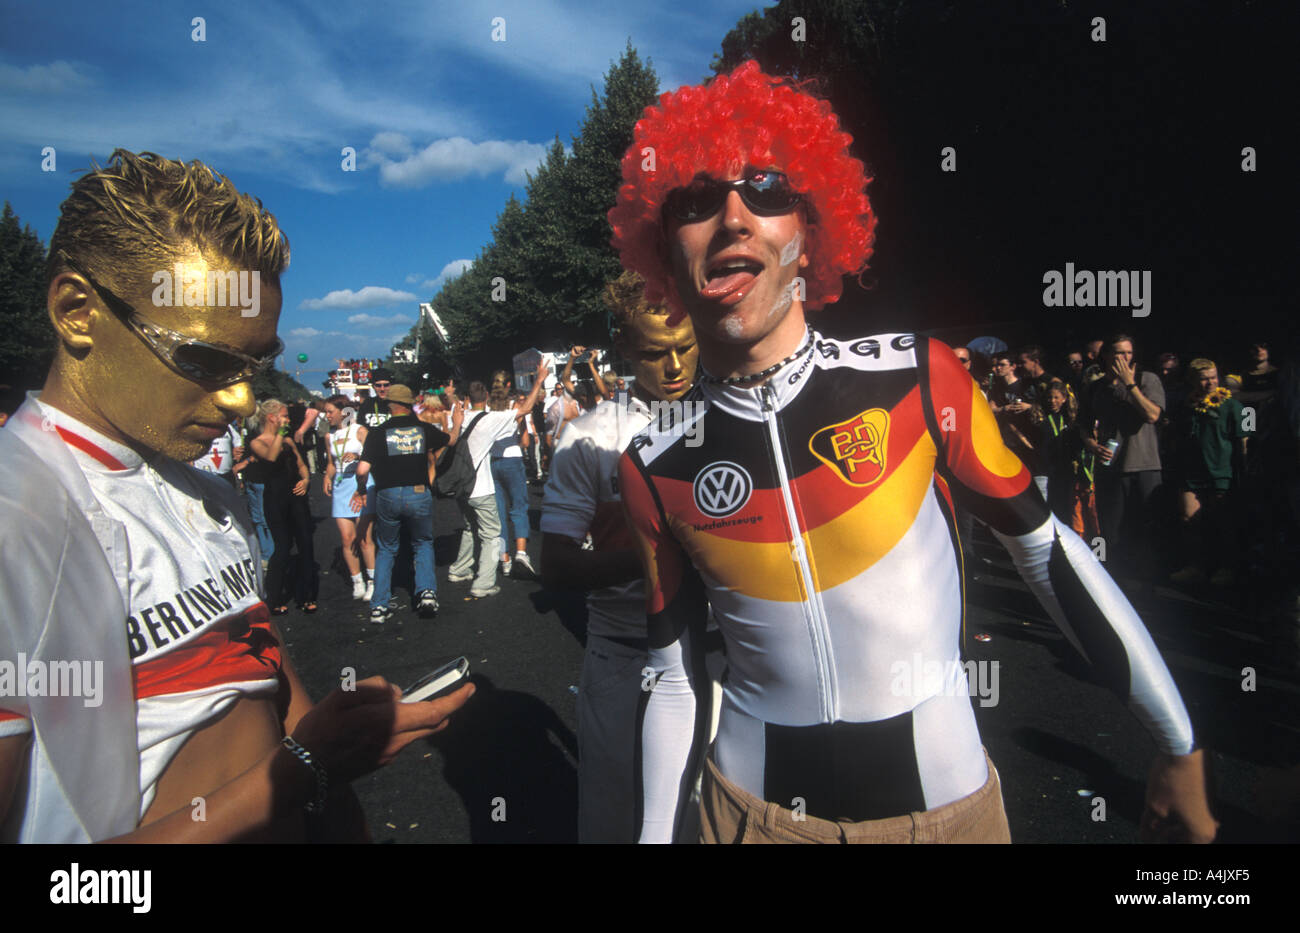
(765, 193)
(212, 363)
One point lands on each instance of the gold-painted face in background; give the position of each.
(663, 358)
(149, 406)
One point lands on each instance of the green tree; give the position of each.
(551, 251)
(278, 384)
(27, 338)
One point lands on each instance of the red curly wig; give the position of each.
(746, 117)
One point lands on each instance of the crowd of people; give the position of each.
(747, 557)
(1173, 471)
(273, 454)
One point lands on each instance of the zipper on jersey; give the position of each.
(818, 627)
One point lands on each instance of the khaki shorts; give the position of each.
(729, 814)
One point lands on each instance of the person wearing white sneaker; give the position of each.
(479, 508)
(522, 565)
(510, 483)
(356, 531)
(401, 453)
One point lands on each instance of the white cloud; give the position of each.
(45, 79)
(454, 268)
(305, 333)
(450, 271)
(455, 158)
(371, 320)
(345, 299)
(395, 144)
(569, 44)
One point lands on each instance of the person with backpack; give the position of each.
(401, 453)
(479, 505)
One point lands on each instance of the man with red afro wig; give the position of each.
(715, 131)
(804, 496)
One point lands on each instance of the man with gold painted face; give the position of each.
(141, 678)
(582, 497)
(813, 516)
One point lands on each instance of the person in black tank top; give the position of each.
(280, 466)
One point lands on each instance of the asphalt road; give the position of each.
(505, 770)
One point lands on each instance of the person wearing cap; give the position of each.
(375, 411)
(401, 452)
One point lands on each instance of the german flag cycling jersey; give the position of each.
(815, 514)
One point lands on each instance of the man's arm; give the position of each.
(349, 732)
(566, 377)
(1127, 376)
(358, 500)
(308, 419)
(673, 732)
(1077, 593)
(457, 422)
(605, 392)
(343, 819)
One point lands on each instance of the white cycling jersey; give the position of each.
(197, 629)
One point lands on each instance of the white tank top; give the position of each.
(344, 441)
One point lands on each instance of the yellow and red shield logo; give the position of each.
(855, 449)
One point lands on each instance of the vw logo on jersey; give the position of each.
(722, 488)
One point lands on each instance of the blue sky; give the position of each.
(444, 121)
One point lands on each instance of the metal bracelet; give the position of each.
(322, 779)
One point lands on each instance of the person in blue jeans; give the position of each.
(511, 482)
(401, 453)
(253, 491)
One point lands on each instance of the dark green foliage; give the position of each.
(551, 253)
(27, 338)
(278, 384)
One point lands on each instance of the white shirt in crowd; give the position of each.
(490, 427)
(221, 455)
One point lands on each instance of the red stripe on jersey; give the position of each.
(7, 716)
(654, 542)
(947, 493)
(971, 438)
(236, 650)
(90, 449)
